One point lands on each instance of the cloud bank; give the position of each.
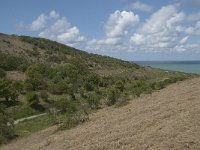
(168, 30)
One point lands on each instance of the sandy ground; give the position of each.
(168, 119)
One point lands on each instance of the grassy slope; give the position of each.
(37, 50)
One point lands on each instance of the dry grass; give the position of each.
(168, 119)
(16, 75)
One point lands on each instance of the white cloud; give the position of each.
(160, 31)
(141, 6)
(118, 22)
(163, 20)
(116, 28)
(137, 39)
(107, 41)
(55, 27)
(39, 23)
(191, 29)
(54, 15)
(184, 40)
(166, 30)
(59, 26)
(71, 36)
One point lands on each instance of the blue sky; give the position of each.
(126, 29)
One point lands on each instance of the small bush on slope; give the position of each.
(6, 126)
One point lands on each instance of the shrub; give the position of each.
(32, 98)
(89, 86)
(93, 101)
(18, 86)
(66, 106)
(71, 120)
(2, 73)
(120, 85)
(36, 83)
(9, 62)
(6, 126)
(38, 70)
(122, 101)
(7, 90)
(113, 96)
(44, 95)
(160, 85)
(58, 88)
(23, 67)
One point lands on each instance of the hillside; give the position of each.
(38, 75)
(168, 119)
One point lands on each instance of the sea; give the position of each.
(182, 66)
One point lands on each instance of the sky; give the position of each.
(126, 29)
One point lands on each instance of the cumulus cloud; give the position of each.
(72, 35)
(166, 30)
(107, 41)
(55, 27)
(38, 24)
(118, 22)
(141, 6)
(192, 30)
(116, 28)
(53, 14)
(59, 26)
(160, 31)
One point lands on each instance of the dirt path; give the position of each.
(28, 118)
(168, 119)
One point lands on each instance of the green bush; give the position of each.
(120, 85)
(6, 126)
(39, 70)
(66, 106)
(160, 85)
(2, 73)
(93, 101)
(113, 96)
(7, 90)
(122, 101)
(44, 95)
(23, 67)
(71, 120)
(89, 86)
(9, 62)
(36, 83)
(58, 88)
(32, 98)
(18, 86)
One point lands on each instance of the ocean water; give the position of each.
(183, 66)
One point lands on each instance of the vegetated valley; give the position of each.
(42, 76)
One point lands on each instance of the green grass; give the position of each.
(30, 126)
(18, 112)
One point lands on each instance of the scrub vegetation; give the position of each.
(66, 83)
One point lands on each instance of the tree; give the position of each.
(32, 98)
(6, 126)
(7, 90)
